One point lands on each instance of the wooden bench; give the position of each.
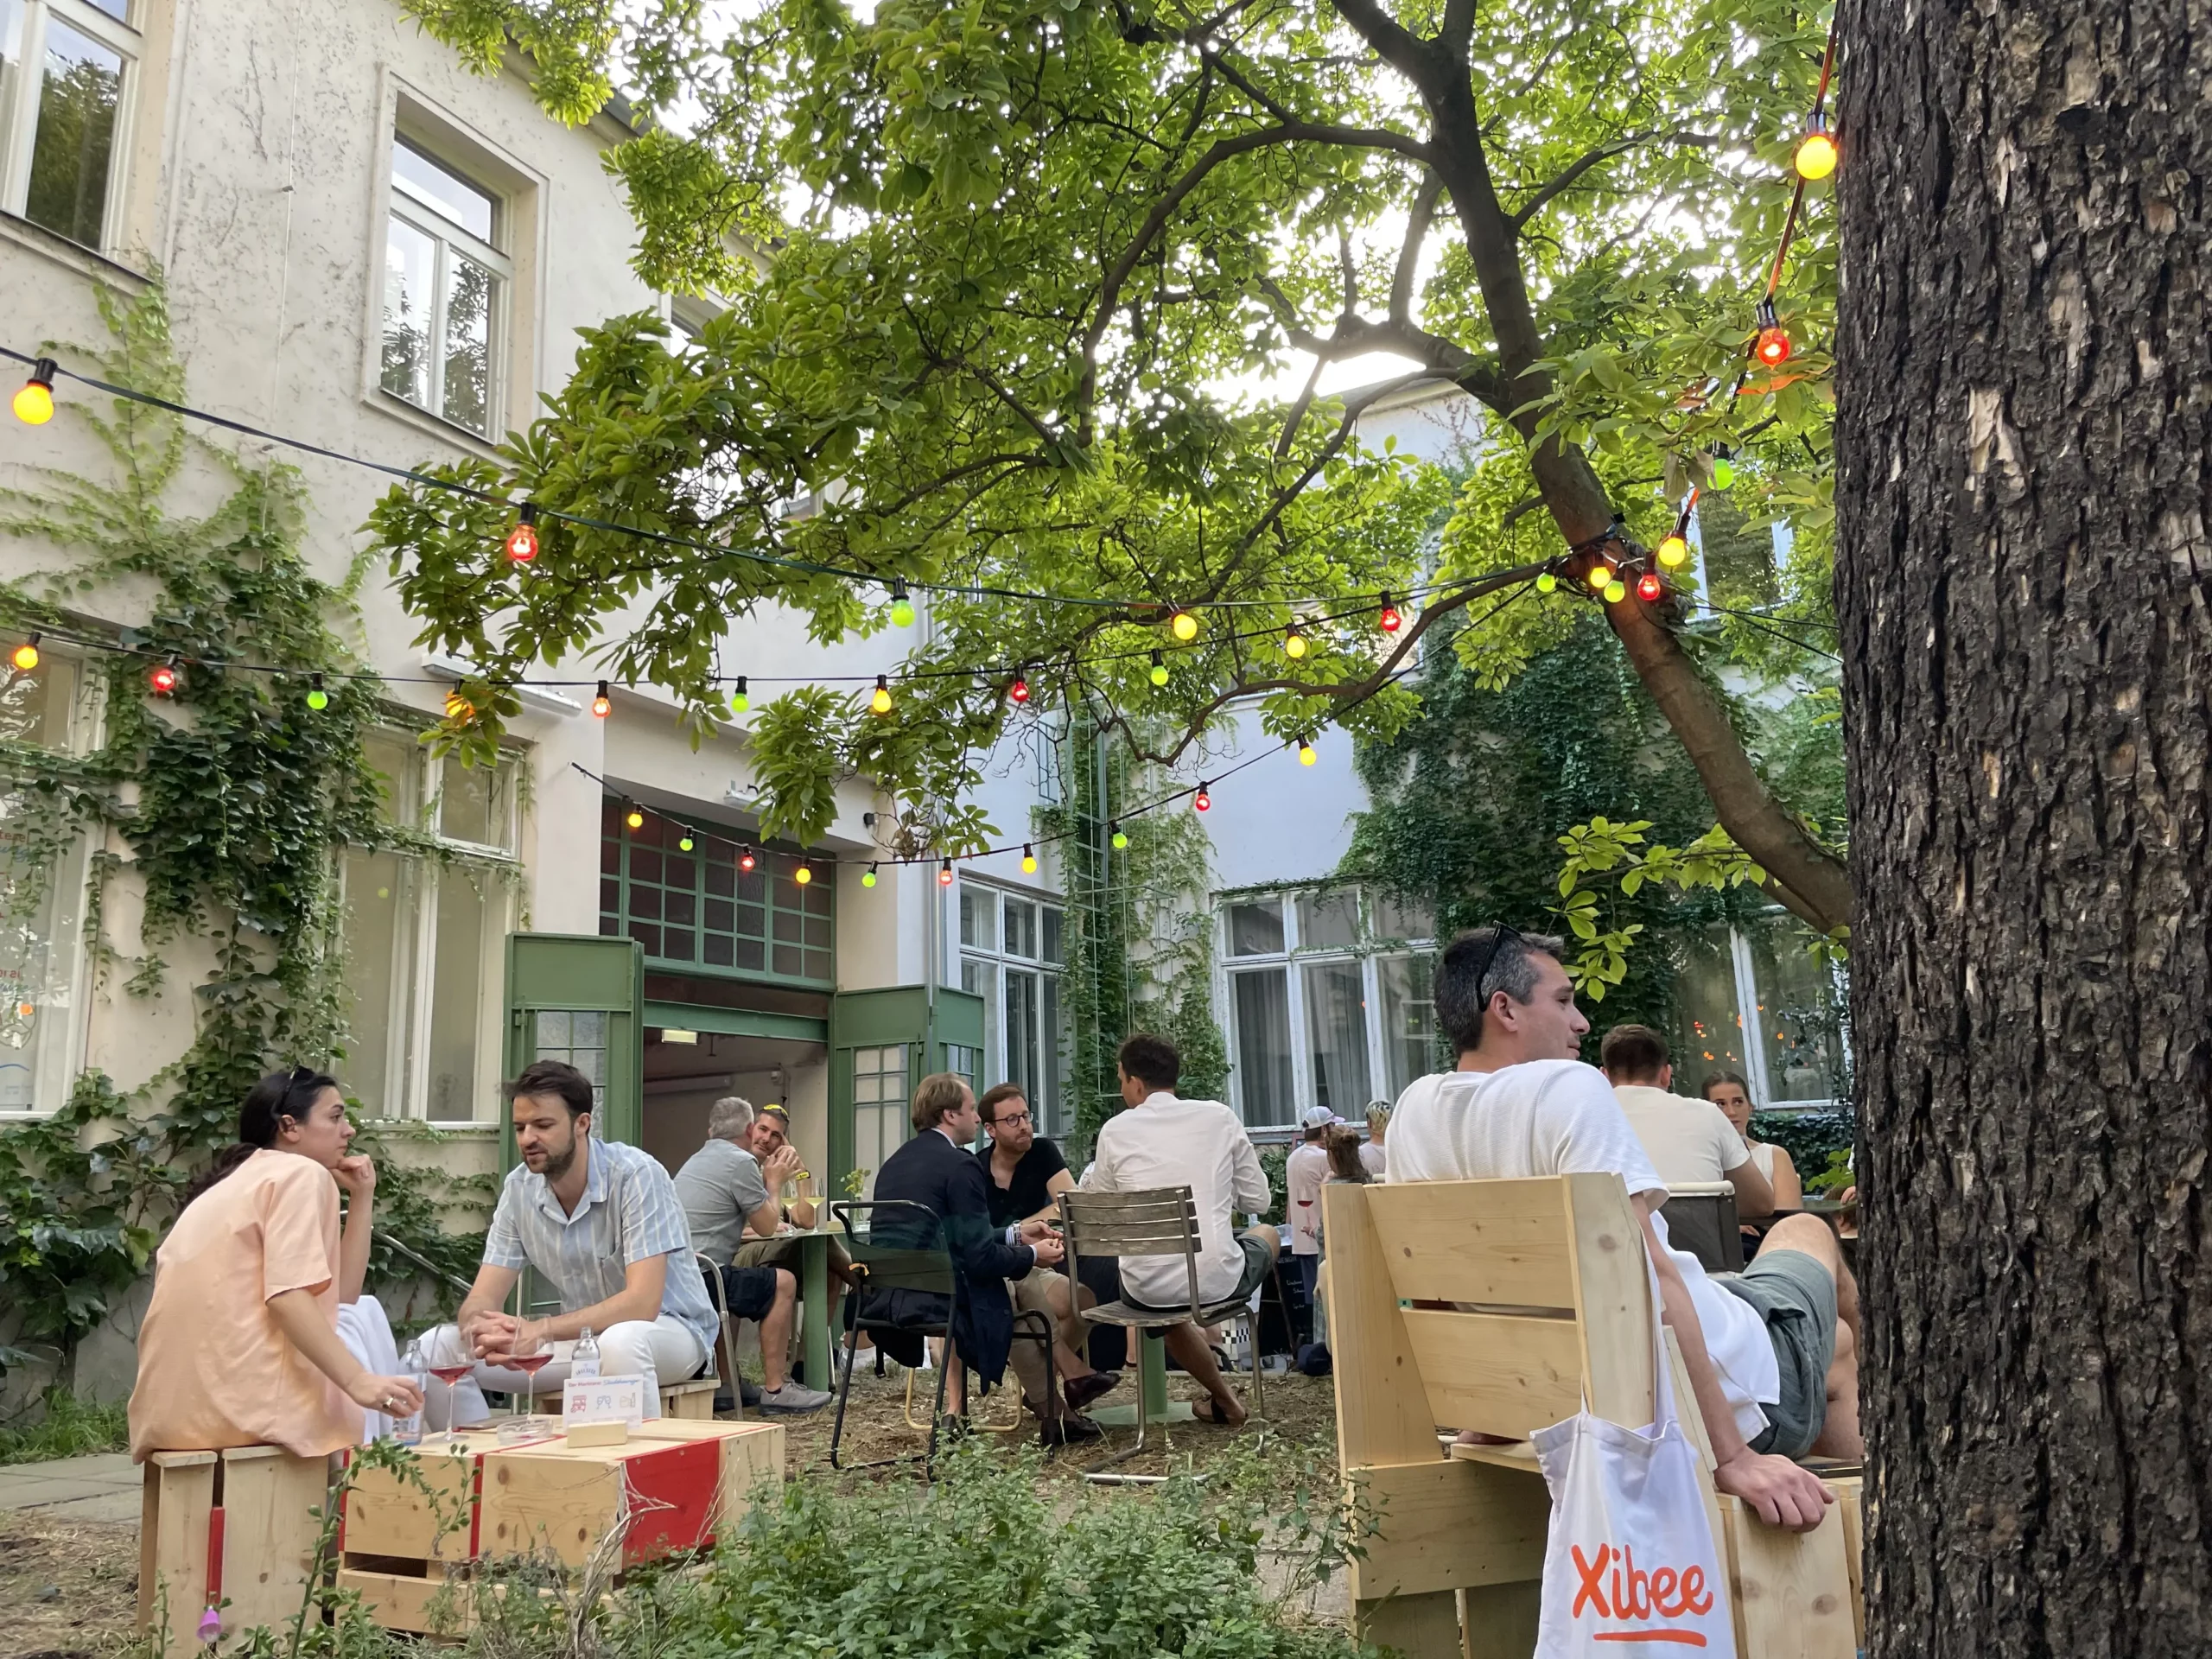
(693, 1401)
(239, 1528)
(1563, 1313)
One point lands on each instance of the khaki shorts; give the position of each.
(785, 1253)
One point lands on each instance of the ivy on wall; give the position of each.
(228, 802)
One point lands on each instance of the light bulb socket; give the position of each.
(1765, 315)
(42, 373)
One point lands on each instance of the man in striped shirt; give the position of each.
(601, 1223)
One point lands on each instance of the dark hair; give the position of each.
(997, 1091)
(275, 1097)
(935, 1096)
(555, 1078)
(1725, 1076)
(1632, 1054)
(1343, 1155)
(1475, 966)
(1150, 1059)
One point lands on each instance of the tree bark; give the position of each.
(2025, 404)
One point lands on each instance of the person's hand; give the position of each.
(1049, 1249)
(1036, 1227)
(357, 1173)
(1783, 1494)
(782, 1164)
(492, 1335)
(393, 1395)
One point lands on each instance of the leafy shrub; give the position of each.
(70, 1429)
(1811, 1138)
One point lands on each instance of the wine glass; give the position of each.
(531, 1355)
(450, 1374)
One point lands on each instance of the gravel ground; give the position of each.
(68, 1590)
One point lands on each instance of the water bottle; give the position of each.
(408, 1431)
(583, 1364)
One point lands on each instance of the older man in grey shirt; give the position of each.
(721, 1187)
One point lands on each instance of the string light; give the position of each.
(1816, 154)
(1648, 587)
(634, 818)
(1773, 347)
(1307, 754)
(803, 875)
(602, 705)
(1293, 644)
(318, 699)
(683, 842)
(1547, 584)
(460, 710)
(867, 876)
(1159, 669)
(34, 403)
(944, 874)
(1184, 626)
(1615, 591)
(1018, 690)
(746, 861)
(26, 657)
(1388, 620)
(522, 540)
(1028, 858)
(1674, 550)
(1202, 801)
(1724, 469)
(878, 702)
(1118, 835)
(902, 609)
(739, 701)
(1600, 574)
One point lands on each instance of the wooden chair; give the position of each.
(1157, 1221)
(1502, 1306)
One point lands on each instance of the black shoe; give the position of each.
(1082, 1390)
(748, 1391)
(952, 1426)
(1073, 1430)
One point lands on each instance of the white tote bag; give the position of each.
(1631, 1565)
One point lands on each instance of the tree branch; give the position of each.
(1417, 222)
(1581, 164)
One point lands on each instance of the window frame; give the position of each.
(19, 122)
(717, 840)
(446, 238)
(1054, 1115)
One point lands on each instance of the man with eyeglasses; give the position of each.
(1771, 1353)
(1025, 1175)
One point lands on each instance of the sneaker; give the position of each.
(793, 1400)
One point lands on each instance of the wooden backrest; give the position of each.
(1153, 1221)
(1515, 1301)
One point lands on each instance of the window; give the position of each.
(1327, 1005)
(698, 912)
(1794, 1056)
(423, 938)
(67, 71)
(445, 292)
(580, 1040)
(43, 876)
(879, 1108)
(1011, 952)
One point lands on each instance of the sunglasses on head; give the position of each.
(1496, 944)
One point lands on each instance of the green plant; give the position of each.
(67, 1427)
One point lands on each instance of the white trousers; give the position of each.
(659, 1351)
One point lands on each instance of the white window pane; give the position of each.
(78, 101)
(1328, 921)
(442, 190)
(1409, 1020)
(1255, 929)
(979, 910)
(411, 261)
(1053, 1107)
(471, 294)
(1403, 918)
(374, 941)
(42, 918)
(119, 9)
(1024, 1034)
(456, 1001)
(982, 979)
(1021, 929)
(37, 708)
(1711, 1032)
(1260, 1005)
(473, 802)
(1800, 1017)
(553, 1030)
(1055, 948)
(588, 1030)
(1335, 1027)
(395, 759)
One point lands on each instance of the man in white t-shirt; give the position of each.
(1773, 1368)
(1164, 1140)
(1689, 1141)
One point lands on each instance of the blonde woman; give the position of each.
(1728, 1091)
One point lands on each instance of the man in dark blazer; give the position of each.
(936, 1171)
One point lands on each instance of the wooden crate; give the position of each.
(693, 1401)
(238, 1528)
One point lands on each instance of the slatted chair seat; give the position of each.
(1503, 1307)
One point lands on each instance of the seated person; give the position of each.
(600, 1223)
(1771, 1353)
(721, 1188)
(935, 1170)
(240, 1344)
(1163, 1141)
(1378, 1126)
(1688, 1141)
(1728, 1091)
(1027, 1175)
(770, 1134)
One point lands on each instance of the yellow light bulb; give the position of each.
(1816, 156)
(1600, 574)
(636, 819)
(1295, 646)
(1307, 754)
(26, 657)
(34, 405)
(1185, 626)
(879, 701)
(1029, 861)
(802, 875)
(1674, 551)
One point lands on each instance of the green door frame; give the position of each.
(581, 973)
(905, 1015)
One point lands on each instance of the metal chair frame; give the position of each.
(1156, 1221)
(725, 1334)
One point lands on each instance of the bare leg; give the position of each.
(1068, 1350)
(1187, 1345)
(1840, 1435)
(956, 1381)
(776, 1331)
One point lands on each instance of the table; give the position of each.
(816, 1343)
(1152, 1392)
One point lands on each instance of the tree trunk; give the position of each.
(2025, 399)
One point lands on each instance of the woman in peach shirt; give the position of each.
(240, 1344)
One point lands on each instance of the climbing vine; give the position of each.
(224, 805)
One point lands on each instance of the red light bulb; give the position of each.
(1774, 347)
(1648, 587)
(944, 874)
(522, 540)
(1202, 801)
(746, 861)
(1389, 621)
(602, 705)
(1019, 691)
(163, 679)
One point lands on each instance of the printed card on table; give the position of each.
(604, 1400)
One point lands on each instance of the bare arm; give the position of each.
(1754, 1197)
(300, 1317)
(1061, 1181)
(1783, 1494)
(639, 1299)
(487, 1295)
(1789, 1190)
(358, 1175)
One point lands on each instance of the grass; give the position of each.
(71, 1428)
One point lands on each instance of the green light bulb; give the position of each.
(683, 845)
(867, 878)
(902, 611)
(1615, 591)
(1546, 583)
(1723, 472)
(1160, 673)
(1120, 839)
(318, 699)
